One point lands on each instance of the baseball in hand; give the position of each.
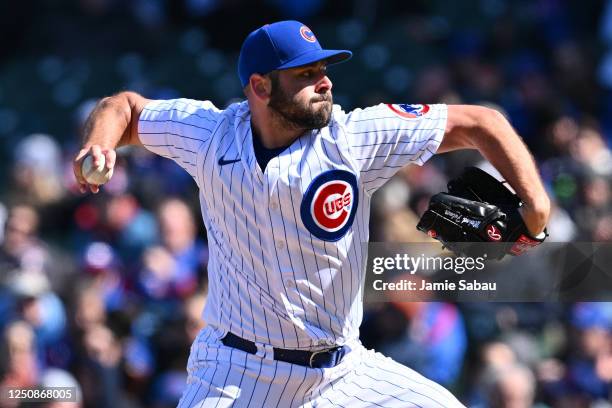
(96, 175)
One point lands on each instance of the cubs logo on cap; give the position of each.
(330, 204)
(307, 34)
(405, 110)
(283, 45)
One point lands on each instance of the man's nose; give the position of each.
(324, 85)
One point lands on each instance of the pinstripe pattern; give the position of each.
(270, 279)
(221, 376)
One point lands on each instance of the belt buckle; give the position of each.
(314, 353)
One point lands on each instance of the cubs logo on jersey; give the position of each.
(405, 110)
(330, 204)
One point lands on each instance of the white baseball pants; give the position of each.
(221, 376)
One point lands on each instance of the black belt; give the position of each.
(315, 359)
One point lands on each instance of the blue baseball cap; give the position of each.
(282, 45)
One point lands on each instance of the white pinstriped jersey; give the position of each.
(286, 261)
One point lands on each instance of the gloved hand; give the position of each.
(478, 209)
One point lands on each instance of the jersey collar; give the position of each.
(244, 141)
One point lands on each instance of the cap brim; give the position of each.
(331, 56)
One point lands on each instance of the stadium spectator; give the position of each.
(174, 268)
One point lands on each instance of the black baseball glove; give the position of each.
(479, 215)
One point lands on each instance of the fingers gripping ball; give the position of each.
(96, 175)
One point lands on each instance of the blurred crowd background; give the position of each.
(104, 292)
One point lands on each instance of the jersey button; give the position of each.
(274, 205)
(280, 244)
(290, 283)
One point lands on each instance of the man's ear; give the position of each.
(261, 87)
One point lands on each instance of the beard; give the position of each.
(314, 114)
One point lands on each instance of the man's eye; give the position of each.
(307, 74)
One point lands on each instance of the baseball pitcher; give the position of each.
(285, 179)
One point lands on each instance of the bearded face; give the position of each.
(314, 113)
